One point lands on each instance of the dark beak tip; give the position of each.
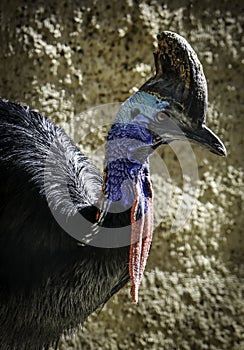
(212, 141)
(221, 151)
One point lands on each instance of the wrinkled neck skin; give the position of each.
(127, 185)
(126, 164)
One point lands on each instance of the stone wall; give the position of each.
(63, 57)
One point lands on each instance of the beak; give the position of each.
(208, 139)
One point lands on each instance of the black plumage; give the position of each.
(41, 266)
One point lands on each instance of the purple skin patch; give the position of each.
(126, 160)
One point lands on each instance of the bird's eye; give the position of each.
(160, 116)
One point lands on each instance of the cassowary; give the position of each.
(51, 280)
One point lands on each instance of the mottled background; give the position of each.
(62, 57)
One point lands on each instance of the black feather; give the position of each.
(48, 282)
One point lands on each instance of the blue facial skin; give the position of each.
(147, 104)
(128, 148)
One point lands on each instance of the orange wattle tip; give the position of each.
(134, 293)
(141, 238)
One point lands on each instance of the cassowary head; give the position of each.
(170, 106)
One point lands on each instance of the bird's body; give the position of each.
(47, 280)
(70, 239)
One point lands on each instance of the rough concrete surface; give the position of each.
(63, 57)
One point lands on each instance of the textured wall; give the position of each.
(65, 56)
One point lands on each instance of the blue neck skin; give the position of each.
(122, 166)
(128, 147)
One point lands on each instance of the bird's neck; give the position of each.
(126, 187)
(126, 164)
